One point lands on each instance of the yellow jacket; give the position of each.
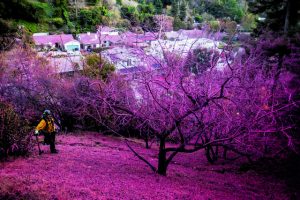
(43, 125)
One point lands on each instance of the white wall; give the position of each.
(69, 46)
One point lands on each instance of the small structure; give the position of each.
(104, 30)
(124, 57)
(89, 40)
(181, 47)
(64, 42)
(63, 62)
(96, 40)
(184, 34)
(138, 40)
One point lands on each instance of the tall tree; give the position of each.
(183, 9)
(281, 15)
(158, 6)
(175, 8)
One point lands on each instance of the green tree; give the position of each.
(89, 18)
(183, 10)
(119, 2)
(224, 8)
(178, 24)
(167, 2)
(248, 22)
(130, 13)
(60, 8)
(281, 15)
(158, 6)
(175, 8)
(97, 67)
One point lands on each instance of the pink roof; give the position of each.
(192, 33)
(105, 29)
(93, 38)
(130, 38)
(88, 38)
(111, 38)
(53, 39)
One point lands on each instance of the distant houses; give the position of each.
(63, 42)
(105, 37)
(128, 51)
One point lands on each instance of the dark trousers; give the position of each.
(50, 139)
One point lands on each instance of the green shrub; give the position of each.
(93, 2)
(119, 2)
(97, 67)
(248, 22)
(14, 132)
(34, 27)
(130, 13)
(178, 24)
(88, 19)
(207, 17)
(57, 21)
(198, 18)
(214, 25)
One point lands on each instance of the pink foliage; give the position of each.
(242, 108)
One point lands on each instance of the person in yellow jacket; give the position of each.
(46, 127)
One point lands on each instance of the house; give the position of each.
(110, 40)
(64, 42)
(138, 40)
(124, 57)
(89, 41)
(96, 40)
(184, 34)
(130, 61)
(171, 35)
(104, 30)
(192, 34)
(63, 62)
(180, 47)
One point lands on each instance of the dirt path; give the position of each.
(99, 167)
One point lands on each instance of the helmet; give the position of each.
(46, 112)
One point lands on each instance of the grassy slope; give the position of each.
(43, 26)
(97, 167)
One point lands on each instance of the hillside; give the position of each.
(84, 15)
(94, 166)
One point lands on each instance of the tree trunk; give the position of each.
(162, 160)
(287, 18)
(210, 154)
(147, 141)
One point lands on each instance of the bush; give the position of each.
(14, 133)
(207, 17)
(57, 21)
(214, 25)
(130, 13)
(93, 2)
(198, 18)
(178, 24)
(249, 22)
(97, 67)
(119, 2)
(200, 60)
(228, 26)
(89, 18)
